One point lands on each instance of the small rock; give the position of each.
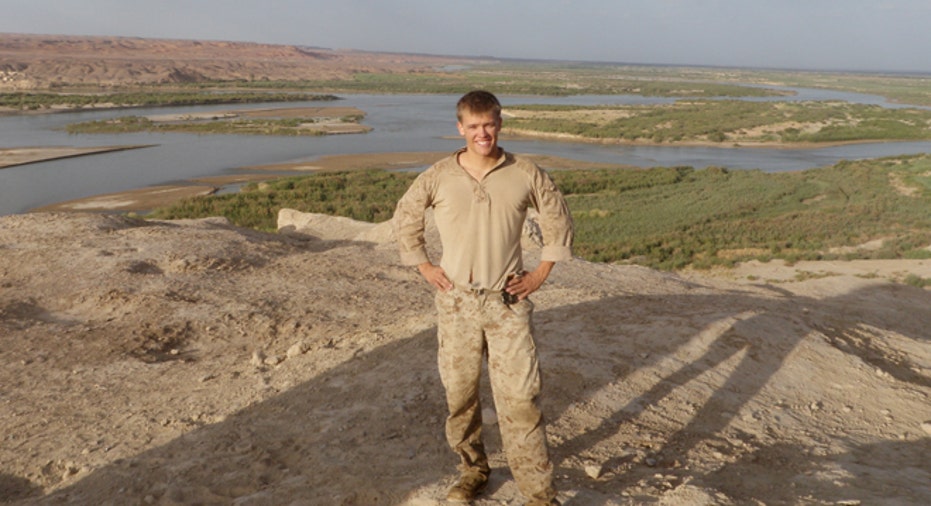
(594, 471)
(297, 349)
(926, 426)
(258, 358)
(274, 360)
(650, 461)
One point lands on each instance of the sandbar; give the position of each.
(142, 199)
(317, 120)
(10, 157)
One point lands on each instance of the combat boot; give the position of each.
(470, 485)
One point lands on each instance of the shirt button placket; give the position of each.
(479, 193)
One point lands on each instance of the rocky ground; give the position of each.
(193, 362)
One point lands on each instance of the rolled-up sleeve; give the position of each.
(554, 217)
(409, 220)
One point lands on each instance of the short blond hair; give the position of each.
(478, 102)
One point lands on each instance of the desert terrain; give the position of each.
(29, 62)
(193, 362)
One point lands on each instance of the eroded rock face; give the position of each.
(328, 227)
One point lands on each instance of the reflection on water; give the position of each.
(399, 122)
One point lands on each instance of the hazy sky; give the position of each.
(810, 34)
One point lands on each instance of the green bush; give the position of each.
(666, 218)
(361, 195)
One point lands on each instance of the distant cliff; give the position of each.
(43, 61)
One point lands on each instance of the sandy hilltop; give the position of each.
(40, 61)
(193, 362)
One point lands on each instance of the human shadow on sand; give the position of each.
(362, 434)
(745, 338)
(14, 487)
(889, 472)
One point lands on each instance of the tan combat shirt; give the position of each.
(481, 222)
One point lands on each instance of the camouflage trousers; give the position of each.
(471, 324)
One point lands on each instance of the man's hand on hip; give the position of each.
(435, 275)
(522, 286)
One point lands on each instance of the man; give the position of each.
(479, 196)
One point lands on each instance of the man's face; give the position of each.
(480, 131)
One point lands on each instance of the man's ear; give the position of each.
(461, 130)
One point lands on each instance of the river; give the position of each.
(400, 123)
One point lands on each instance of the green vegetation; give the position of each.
(694, 120)
(714, 216)
(361, 195)
(560, 79)
(264, 126)
(726, 121)
(533, 78)
(547, 79)
(901, 88)
(33, 101)
(542, 81)
(667, 218)
(917, 281)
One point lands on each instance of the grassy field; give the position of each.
(725, 121)
(666, 218)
